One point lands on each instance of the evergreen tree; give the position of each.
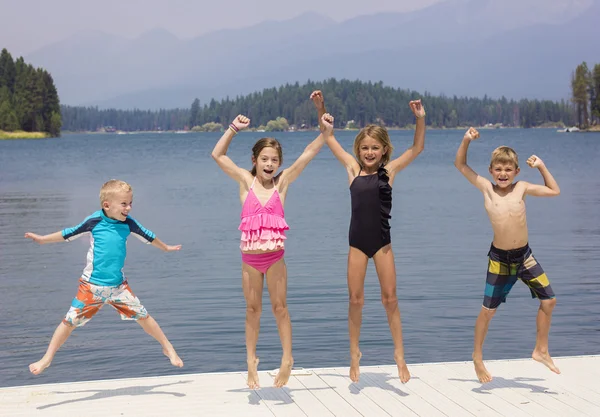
(579, 85)
(194, 112)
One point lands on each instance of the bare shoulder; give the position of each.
(520, 187)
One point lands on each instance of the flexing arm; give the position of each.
(219, 153)
(418, 145)
(550, 187)
(460, 162)
(344, 157)
(51, 238)
(157, 243)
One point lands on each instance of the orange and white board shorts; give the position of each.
(91, 298)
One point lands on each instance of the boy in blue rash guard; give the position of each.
(102, 281)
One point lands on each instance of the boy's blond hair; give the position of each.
(112, 187)
(380, 134)
(504, 155)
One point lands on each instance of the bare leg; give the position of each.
(386, 271)
(481, 328)
(151, 327)
(252, 284)
(277, 285)
(357, 269)
(544, 318)
(60, 336)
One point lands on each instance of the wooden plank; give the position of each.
(278, 400)
(507, 389)
(352, 393)
(561, 398)
(393, 394)
(306, 399)
(459, 394)
(520, 388)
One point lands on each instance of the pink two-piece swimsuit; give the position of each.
(263, 228)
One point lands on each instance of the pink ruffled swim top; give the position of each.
(262, 227)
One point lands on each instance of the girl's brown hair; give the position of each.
(265, 143)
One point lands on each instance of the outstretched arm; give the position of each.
(291, 174)
(418, 145)
(341, 155)
(157, 243)
(550, 187)
(42, 239)
(460, 162)
(219, 153)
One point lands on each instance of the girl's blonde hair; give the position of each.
(504, 155)
(112, 187)
(380, 134)
(266, 143)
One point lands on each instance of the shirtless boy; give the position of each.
(510, 257)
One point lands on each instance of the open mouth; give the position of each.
(268, 171)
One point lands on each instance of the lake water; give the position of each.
(440, 236)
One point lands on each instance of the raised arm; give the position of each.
(550, 187)
(346, 159)
(219, 153)
(43, 239)
(418, 145)
(317, 98)
(460, 162)
(290, 174)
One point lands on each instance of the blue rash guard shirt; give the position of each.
(108, 246)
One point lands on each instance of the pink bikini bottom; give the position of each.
(262, 261)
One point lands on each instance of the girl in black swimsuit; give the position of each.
(371, 174)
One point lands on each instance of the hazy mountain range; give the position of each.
(515, 48)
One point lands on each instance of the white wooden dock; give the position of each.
(520, 388)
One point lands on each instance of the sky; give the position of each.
(30, 24)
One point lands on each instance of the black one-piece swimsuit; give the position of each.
(371, 197)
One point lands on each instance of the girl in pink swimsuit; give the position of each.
(263, 226)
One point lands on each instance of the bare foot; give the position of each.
(354, 366)
(545, 359)
(173, 357)
(253, 374)
(482, 373)
(284, 373)
(403, 372)
(40, 366)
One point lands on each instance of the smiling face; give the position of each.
(372, 147)
(370, 153)
(267, 157)
(267, 163)
(504, 173)
(118, 205)
(116, 198)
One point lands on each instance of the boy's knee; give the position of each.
(69, 325)
(548, 304)
(487, 313)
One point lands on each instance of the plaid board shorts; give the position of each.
(91, 298)
(505, 267)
